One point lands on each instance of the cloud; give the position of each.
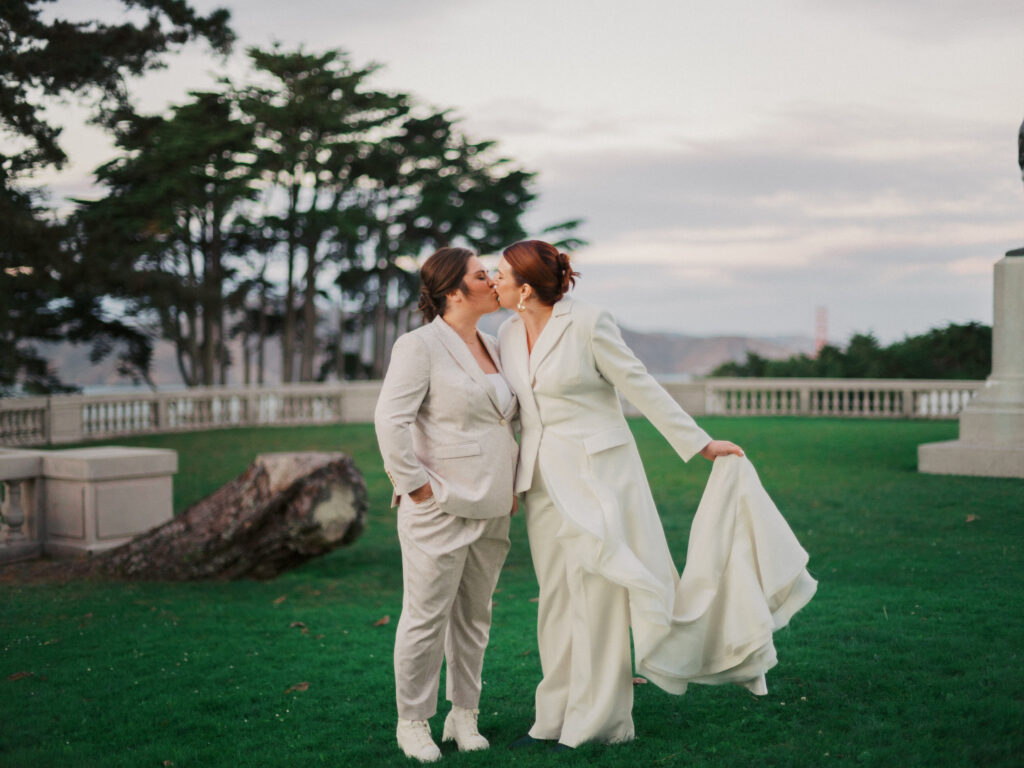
(808, 170)
(822, 208)
(949, 20)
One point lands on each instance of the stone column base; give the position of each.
(99, 498)
(13, 552)
(955, 457)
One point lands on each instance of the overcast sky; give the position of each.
(737, 163)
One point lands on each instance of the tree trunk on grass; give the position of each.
(285, 509)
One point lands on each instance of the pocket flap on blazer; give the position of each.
(457, 451)
(610, 438)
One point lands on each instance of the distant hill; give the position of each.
(662, 353)
(699, 355)
(678, 354)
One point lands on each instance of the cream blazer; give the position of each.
(745, 572)
(438, 419)
(568, 404)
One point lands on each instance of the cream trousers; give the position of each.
(450, 566)
(586, 693)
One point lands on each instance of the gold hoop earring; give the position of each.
(520, 306)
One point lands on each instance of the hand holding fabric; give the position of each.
(718, 448)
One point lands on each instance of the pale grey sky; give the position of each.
(738, 163)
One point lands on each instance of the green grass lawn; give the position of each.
(909, 655)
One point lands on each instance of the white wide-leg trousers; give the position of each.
(450, 566)
(586, 693)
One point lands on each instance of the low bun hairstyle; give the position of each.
(543, 267)
(443, 272)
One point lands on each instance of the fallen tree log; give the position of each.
(283, 510)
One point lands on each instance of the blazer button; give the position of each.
(503, 422)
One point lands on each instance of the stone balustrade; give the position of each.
(21, 520)
(83, 500)
(860, 398)
(63, 419)
(74, 501)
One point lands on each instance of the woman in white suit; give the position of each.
(443, 424)
(597, 544)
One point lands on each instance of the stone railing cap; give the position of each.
(109, 462)
(20, 465)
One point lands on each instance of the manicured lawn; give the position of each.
(911, 654)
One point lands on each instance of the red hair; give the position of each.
(542, 267)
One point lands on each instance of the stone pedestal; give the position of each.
(99, 498)
(991, 440)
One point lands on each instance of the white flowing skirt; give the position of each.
(745, 574)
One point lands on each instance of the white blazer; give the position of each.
(745, 572)
(567, 393)
(438, 419)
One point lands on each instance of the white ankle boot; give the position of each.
(461, 726)
(415, 740)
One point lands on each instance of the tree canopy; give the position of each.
(294, 204)
(42, 58)
(50, 293)
(953, 352)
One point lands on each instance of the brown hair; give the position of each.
(441, 274)
(543, 267)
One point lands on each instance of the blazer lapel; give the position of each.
(460, 352)
(560, 318)
(516, 359)
(492, 350)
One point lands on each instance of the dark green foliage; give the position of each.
(305, 166)
(953, 352)
(41, 59)
(313, 117)
(907, 657)
(171, 225)
(429, 186)
(48, 291)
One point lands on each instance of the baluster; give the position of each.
(14, 512)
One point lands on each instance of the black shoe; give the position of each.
(560, 747)
(525, 741)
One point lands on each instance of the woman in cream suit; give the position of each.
(598, 547)
(442, 422)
